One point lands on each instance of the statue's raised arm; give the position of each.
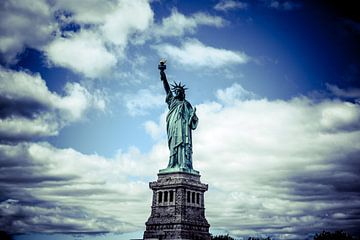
(163, 78)
(180, 121)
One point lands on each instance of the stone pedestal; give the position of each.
(177, 210)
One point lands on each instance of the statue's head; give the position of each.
(179, 90)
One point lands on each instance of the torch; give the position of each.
(162, 65)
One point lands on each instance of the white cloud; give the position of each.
(283, 5)
(279, 166)
(87, 12)
(340, 116)
(177, 24)
(233, 94)
(77, 101)
(193, 53)
(70, 191)
(156, 130)
(153, 129)
(105, 30)
(31, 110)
(226, 5)
(83, 53)
(273, 164)
(24, 24)
(347, 93)
(283, 167)
(129, 18)
(95, 51)
(143, 100)
(21, 127)
(22, 85)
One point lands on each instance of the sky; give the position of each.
(82, 114)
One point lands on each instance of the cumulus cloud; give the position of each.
(177, 24)
(142, 101)
(90, 38)
(233, 94)
(340, 116)
(193, 53)
(129, 18)
(83, 53)
(87, 12)
(104, 30)
(155, 130)
(17, 128)
(29, 109)
(31, 26)
(226, 5)
(346, 93)
(286, 168)
(45, 189)
(95, 51)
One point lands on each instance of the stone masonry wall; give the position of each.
(177, 210)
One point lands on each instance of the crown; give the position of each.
(178, 86)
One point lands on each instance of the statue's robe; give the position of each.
(180, 120)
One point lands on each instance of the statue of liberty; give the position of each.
(180, 121)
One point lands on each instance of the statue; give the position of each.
(180, 121)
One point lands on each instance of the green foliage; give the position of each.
(338, 235)
(222, 237)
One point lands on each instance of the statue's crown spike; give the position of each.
(178, 86)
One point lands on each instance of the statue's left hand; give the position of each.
(194, 117)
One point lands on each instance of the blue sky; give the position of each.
(276, 85)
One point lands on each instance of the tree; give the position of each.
(5, 236)
(338, 235)
(222, 237)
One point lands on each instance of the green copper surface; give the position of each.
(177, 169)
(180, 121)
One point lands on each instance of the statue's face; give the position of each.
(179, 94)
